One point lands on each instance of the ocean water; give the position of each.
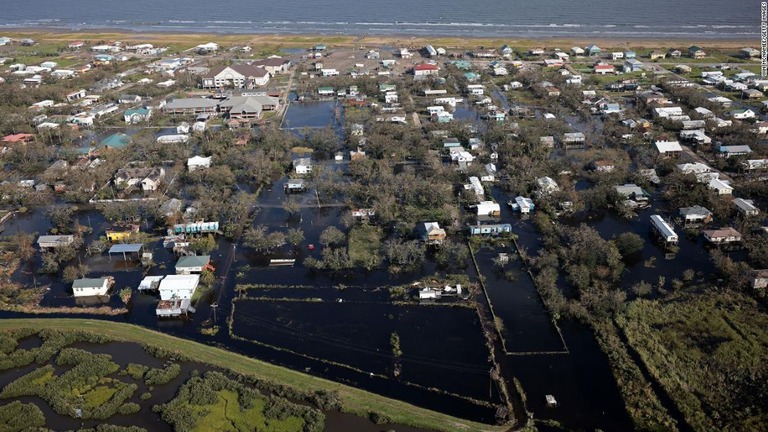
(511, 18)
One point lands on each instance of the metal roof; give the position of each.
(88, 283)
(193, 261)
(126, 248)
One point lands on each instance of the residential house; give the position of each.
(172, 139)
(674, 53)
(663, 231)
(603, 166)
(207, 48)
(71, 97)
(749, 53)
(116, 141)
(326, 91)
(191, 106)
(178, 287)
(742, 114)
(577, 51)
(129, 99)
(295, 185)
(633, 192)
(573, 139)
(755, 164)
(722, 187)
(21, 138)
(696, 52)
(734, 150)
(488, 208)
(54, 241)
(197, 162)
(137, 115)
(760, 279)
(273, 65)
(746, 207)
(722, 236)
(425, 69)
(431, 233)
(701, 171)
(752, 93)
(633, 65)
(695, 215)
(617, 55)
(302, 165)
(235, 76)
(476, 186)
(153, 179)
(192, 264)
(593, 50)
(656, 55)
(91, 287)
(668, 148)
(522, 204)
(327, 72)
(489, 229)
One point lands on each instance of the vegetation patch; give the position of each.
(83, 391)
(364, 245)
(708, 350)
(214, 402)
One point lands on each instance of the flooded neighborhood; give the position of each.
(524, 237)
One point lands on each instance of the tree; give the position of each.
(73, 272)
(294, 236)
(332, 236)
(291, 206)
(207, 277)
(629, 243)
(204, 245)
(23, 245)
(260, 240)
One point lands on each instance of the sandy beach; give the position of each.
(53, 35)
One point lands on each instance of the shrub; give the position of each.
(162, 376)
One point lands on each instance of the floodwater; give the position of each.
(443, 347)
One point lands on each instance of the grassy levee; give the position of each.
(355, 401)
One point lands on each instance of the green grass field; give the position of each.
(355, 401)
(227, 415)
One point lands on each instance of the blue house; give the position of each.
(116, 141)
(630, 54)
(103, 58)
(471, 76)
(593, 50)
(462, 64)
(489, 230)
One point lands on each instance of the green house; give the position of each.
(116, 141)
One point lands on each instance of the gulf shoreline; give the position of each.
(289, 40)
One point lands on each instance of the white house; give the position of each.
(302, 165)
(192, 264)
(91, 287)
(488, 208)
(196, 162)
(54, 241)
(668, 147)
(746, 207)
(742, 114)
(720, 186)
(178, 287)
(210, 46)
